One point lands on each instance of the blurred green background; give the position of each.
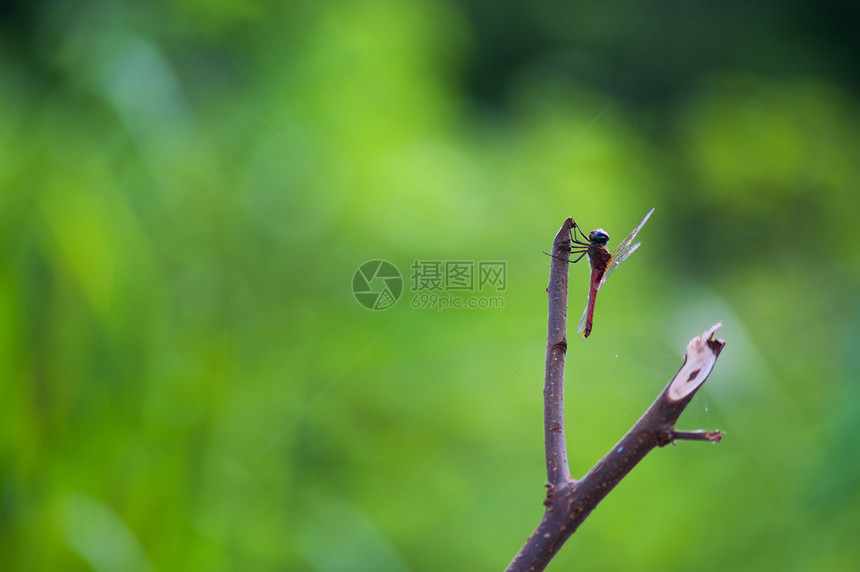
(187, 187)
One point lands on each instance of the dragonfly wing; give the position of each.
(624, 249)
(583, 319)
(614, 262)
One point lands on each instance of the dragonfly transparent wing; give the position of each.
(583, 319)
(624, 249)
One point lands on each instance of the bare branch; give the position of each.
(556, 350)
(568, 502)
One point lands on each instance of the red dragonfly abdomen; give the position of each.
(596, 277)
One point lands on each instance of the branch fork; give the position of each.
(568, 501)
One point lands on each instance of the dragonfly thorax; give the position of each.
(598, 236)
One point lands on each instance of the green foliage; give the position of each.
(186, 189)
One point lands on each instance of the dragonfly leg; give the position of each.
(584, 252)
(558, 257)
(580, 252)
(573, 238)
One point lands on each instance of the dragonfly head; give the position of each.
(598, 236)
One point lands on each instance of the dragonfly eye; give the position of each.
(599, 236)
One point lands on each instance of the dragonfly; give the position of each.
(602, 262)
